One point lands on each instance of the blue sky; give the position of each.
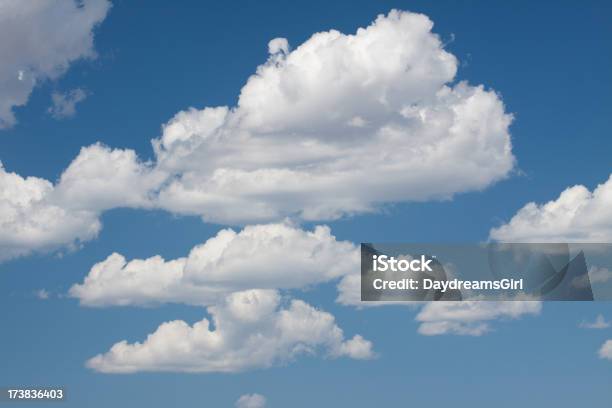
(547, 61)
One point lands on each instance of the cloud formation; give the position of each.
(319, 132)
(470, 318)
(271, 256)
(30, 219)
(38, 41)
(596, 275)
(599, 323)
(36, 215)
(327, 130)
(64, 104)
(251, 401)
(605, 351)
(577, 215)
(250, 329)
(42, 294)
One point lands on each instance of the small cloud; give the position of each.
(599, 323)
(251, 401)
(64, 105)
(470, 318)
(42, 294)
(278, 45)
(451, 39)
(599, 274)
(596, 275)
(606, 350)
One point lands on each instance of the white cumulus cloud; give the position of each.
(101, 178)
(250, 329)
(38, 41)
(471, 318)
(577, 215)
(30, 219)
(271, 256)
(342, 124)
(36, 215)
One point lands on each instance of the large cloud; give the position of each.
(252, 329)
(342, 124)
(272, 256)
(471, 318)
(577, 215)
(38, 41)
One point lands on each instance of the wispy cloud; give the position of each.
(605, 351)
(470, 318)
(251, 401)
(64, 104)
(42, 294)
(599, 323)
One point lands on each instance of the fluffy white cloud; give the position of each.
(251, 401)
(270, 256)
(39, 40)
(470, 318)
(64, 104)
(599, 323)
(36, 215)
(606, 350)
(262, 256)
(577, 215)
(31, 220)
(250, 329)
(340, 125)
(278, 45)
(349, 290)
(100, 178)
